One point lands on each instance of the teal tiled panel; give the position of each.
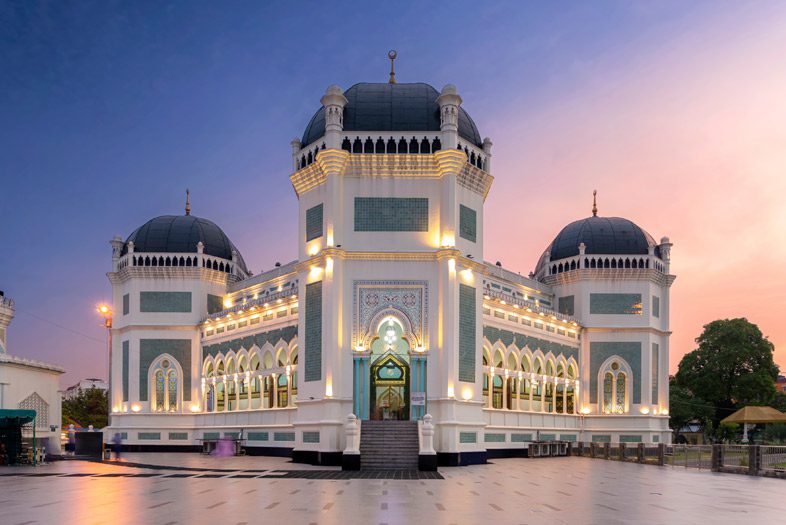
(565, 305)
(548, 437)
(467, 322)
(214, 303)
(634, 438)
(568, 437)
(310, 437)
(150, 349)
(629, 351)
(124, 435)
(164, 301)
(468, 223)
(284, 436)
(125, 369)
(232, 435)
(601, 438)
(655, 439)
(615, 303)
(654, 367)
(313, 328)
(258, 436)
(508, 337)
(211, 435)
(494, 438)
(391, 214)
(468, 437)
(126, 304)
(148, 435)
(655, 306)
(178, 436)
(314, 222)
(520, 438)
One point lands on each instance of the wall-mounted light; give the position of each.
(586, 410)
(136, 407)
(645, 410)
(467, 393)
(195, 408)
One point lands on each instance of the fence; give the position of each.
(755, 460)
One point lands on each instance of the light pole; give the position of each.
(106, 312)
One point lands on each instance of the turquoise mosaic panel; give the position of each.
(494, 438)
(313, 327)
(164, 301)
(507, 337)
(232, 435)
(571, 438)
(626, 438)
(285, 334)
(258, 436)
(214, 303)
(468, 437)
(654, 367)
(284, 436)
(178, 436)
(520, 438)
(126, 304)
(655, 439)
(148, 435)
(310, 437)
(630, 352)
(150, 349)
(124, 372)
(468, 223)
(655, 306)
(615, 303)
(601, 438)
(391, 214)
(548, 437)
(314, 221)
(467, 308)
(565, 305)
(211, 435)
(124, 435)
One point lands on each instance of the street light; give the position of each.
(106, 312)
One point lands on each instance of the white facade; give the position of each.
(31, 385)
(388, 304)
(85, 384)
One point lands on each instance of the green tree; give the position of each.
(684, 407)
(732, 367)
(89, 407)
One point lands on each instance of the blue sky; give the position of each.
(109, 110)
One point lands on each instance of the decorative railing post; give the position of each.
(754, 460)
(716, 463)
(661, 453)
(350, 460)
(427, 457)
(640, 453)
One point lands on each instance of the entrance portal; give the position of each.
(390, 388)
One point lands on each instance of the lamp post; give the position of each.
(106, 312)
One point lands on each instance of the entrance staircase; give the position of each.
(387, 445)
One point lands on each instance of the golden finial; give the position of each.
(594, 203)
(392, 56)
(188, 202)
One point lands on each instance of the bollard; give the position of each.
(640, 453)
(622, 451)
(606, 450)
(661, 454)
(717, 458)
(754, 460)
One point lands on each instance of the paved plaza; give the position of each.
(189, 488)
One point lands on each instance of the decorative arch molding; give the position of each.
(166, 365)
(374, 300)
(608, 367)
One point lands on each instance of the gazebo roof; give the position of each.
(15, 417)
(756, 415)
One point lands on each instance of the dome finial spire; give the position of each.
(392, 56)
(594, 203)
(188, 202)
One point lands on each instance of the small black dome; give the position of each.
(181, 234)
(392, 107)
(602, 235)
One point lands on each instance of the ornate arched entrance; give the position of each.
(390, 388)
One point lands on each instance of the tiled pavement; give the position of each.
(199, 489)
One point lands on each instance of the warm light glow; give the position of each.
(313, 249)
(135, 407)
(328, 389)
(664, 412)
(360, 348)
(420, 349)
(466, 393)
(451, 391)
(586, 410)
(227, 303)
(645, 410)
(448, 240)
(315, 272)
(329, 265)
(104, 309)
(195, 408)
(115, 410)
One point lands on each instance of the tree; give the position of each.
(684, 408)
(89, 407)
(732, 367)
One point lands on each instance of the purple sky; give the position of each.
(674, 111)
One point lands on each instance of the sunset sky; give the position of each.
(674, 111)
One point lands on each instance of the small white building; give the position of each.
(390, 312)
(30, 385)
(86, 384)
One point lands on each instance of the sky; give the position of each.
(674, 111)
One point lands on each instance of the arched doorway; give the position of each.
(390, 388)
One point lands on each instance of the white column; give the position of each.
(531, 392)
(274, 395)
(565, 398)
(505, 392)
(289, 390)
(543, 389)
(554, 397)
(248, 390)
(491, 390)
(518, 393)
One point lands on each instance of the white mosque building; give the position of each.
(390, 312)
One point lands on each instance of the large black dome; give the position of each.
(181, 234)
(602, 235)
(392, 107)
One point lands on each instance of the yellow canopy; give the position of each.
(756, 415)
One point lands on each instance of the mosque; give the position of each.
(389, 312)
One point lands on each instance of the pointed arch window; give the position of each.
(616, 387)
(166, 386)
